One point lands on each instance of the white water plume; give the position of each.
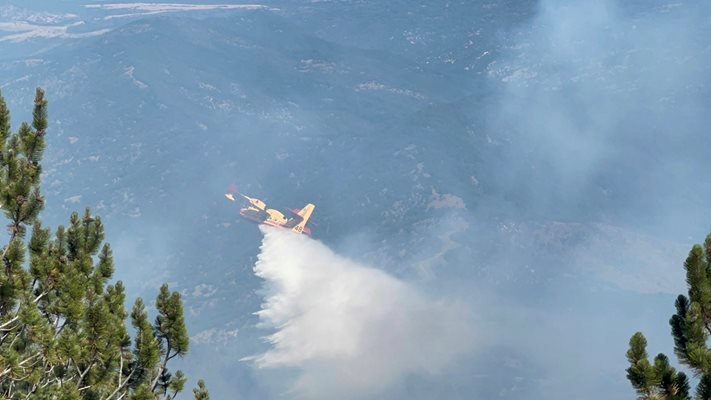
(352, 331)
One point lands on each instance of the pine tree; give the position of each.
(201, 392)
(690, 328)
(62, 323)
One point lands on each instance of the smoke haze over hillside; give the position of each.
(349, 328)
(604, 106)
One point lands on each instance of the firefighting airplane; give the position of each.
(257, 211)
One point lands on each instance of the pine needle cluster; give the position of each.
(63, 332)
(690, 328)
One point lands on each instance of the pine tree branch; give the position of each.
(17, 336)
(47, 377)
(76, 366)
(29, 394)
(27, 375)
(20, 364)
(172, 357)
(61, 328)
(47, 373)
(50, 381)
(40, 296)
(88, 367)
(28, 359)
(4, 325)
(121, 386)
(155, 380)
(5, 336)
(163, 365)
(68, 364)
(120, 370)
(83, 374)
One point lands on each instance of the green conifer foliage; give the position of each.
(63, 331)
(690, 328)
(201, 392)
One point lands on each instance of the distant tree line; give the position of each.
(63, 332)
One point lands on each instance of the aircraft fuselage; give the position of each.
(257, 212)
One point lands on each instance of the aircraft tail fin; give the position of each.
(305, 214)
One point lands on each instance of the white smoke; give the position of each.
(351, 330)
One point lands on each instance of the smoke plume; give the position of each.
(350, 330)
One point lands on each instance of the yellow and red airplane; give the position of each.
(258, 212)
